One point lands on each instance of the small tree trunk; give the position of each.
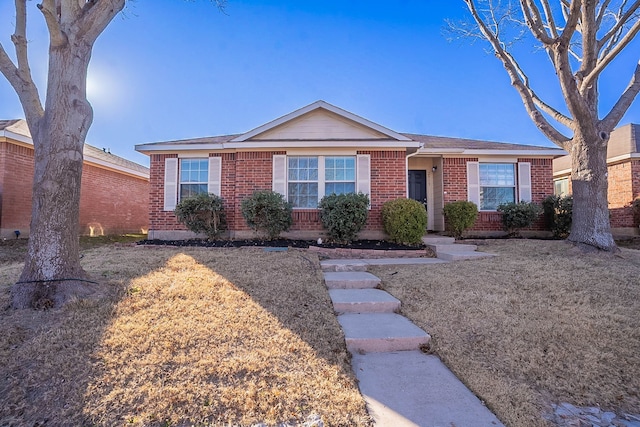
(52, 273)
(590, 223)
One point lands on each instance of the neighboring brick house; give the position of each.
(114, 196)
(623, 161)
(321, 149)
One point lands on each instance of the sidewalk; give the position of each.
(401, 385)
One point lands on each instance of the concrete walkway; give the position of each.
(401, 385)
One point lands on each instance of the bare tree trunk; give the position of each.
(52, 273)
(590, 224)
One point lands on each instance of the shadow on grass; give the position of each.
(201, 336)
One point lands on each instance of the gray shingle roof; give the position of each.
(19, 126)
(444, 142)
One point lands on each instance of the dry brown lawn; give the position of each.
(542, 323)
(202, 336)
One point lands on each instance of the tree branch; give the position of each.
(19, 77)
(612, 119)
(95, 17)
(533, 19)
(56, 35)
(548, 13)
(622, 19)
(602, 63)
(514, 73)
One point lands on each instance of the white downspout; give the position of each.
(406, 168)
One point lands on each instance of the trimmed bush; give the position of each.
(636, 212)
(460, 216)
(516, 216)
(203, 213)
(404, 220)
(558, 211)
(267, 212)
(344, 215)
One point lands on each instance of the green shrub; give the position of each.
(344, 215)
(516, 216)
(267, 212)
(636, 212)
(404, 220)
(557, 215)
(459, 216)
(203, 213)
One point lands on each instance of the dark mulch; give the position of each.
(282, 243)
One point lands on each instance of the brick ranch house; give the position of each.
(320, 149)
(114, 195)
(623, 161)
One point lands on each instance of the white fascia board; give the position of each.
(111, 166)
(316, 105)
(17, 137)
(373, 143)
(623, 157)
(562, 172)
(146, 149)
(261, 145)
(488, 152)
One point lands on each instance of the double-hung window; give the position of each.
(340, 175)
(497, 185)
(303, 181)
(309, 178)
(194, 178)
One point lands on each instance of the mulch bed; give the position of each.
(284, 243)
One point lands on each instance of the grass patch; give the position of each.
(190, 336)
(540, 324)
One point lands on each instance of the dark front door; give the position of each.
(418, 186)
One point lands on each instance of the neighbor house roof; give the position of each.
(624, 143)
(19, 131)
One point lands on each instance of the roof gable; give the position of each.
(320, 121)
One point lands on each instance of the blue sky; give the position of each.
(172, 69)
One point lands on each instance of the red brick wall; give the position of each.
(624, 184)
(16, 179)
(454, 173)
(388, 182)
(254, 171)
(159, 219)
(112, 202)
(245, 172)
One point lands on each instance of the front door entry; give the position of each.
(418, 186)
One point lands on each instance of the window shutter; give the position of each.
(473, 183)
(524, 182)
(215, 175)
(363, 173)
(170, 184)
(279, 184)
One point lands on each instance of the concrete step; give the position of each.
(343, 265)
(350, 280)
(438, 240)
(363, 301)
(458, 256)
(409, 388)
(380, 332)
(453, 248)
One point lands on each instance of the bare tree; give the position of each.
(581, 38)
(52, 273)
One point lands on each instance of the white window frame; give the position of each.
(180, 170)
(172, 181)
(522, 182)
(280, 182)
